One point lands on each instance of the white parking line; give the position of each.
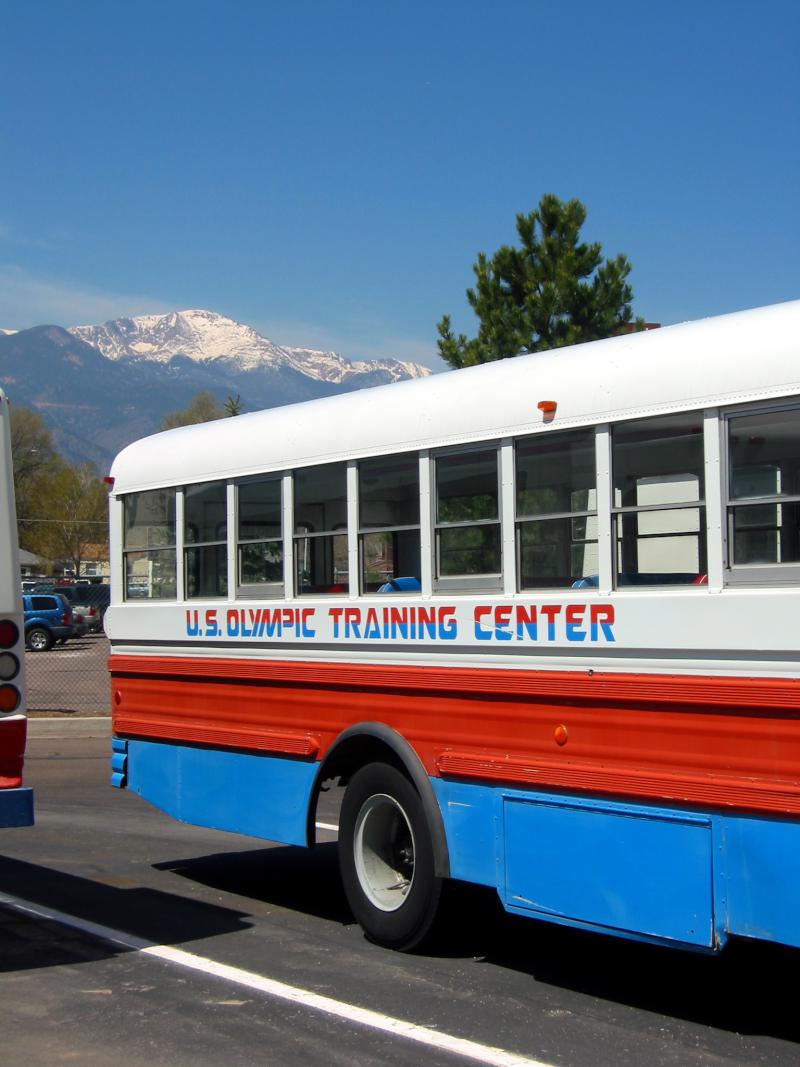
(327, 826)
(435, 1039)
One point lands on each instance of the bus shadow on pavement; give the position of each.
(148, 914)
(742, 990)
(301, 880)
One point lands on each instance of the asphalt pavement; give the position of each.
(70, 679)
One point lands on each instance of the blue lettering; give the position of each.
(575, 630)
(550, 611)
(480, 633)
(448, 625)
(526, 623)
(602, 616)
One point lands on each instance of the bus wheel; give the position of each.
(38, 639)
(386, 858)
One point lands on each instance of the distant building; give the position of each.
(95, 563)
(94, 566)
(631, 327)
(30, 565)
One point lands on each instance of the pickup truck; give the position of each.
(90, 601)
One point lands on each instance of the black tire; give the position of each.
(38, 639)
(386, 858)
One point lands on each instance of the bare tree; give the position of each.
(72, 514)
(201, 408)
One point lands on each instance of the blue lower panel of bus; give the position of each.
(622, 869)
(641, 871)
(635, 870)
(263, 796)
(613, 867)
(16, 807)
(762, 861)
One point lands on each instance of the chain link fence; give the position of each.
(70, 678)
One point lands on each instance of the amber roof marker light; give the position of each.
(548, 409)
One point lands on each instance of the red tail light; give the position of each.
(9, 633)
(10, 695)
(66, 620)
(9, 698)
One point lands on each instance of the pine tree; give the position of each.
(552, 291)
(233, 405)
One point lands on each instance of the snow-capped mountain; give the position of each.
(204, 336)
(100, 387)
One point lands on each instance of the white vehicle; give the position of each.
(16, 801)
(540, 616)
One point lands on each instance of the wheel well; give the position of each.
(378, 743)
(38, 626)
(352, 753)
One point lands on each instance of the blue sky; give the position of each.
(328, 172)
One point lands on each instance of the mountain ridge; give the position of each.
(100, 387)
(203, 336)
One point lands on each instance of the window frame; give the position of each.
(466, 583)
(259, 590)
(174, 548)
(591, 432)
(393, 529)
(700, 505)
(218, 543)
(321, 536)
(752, 574)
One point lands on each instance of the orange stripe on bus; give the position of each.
(715, 741)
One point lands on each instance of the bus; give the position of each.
(16, 800)
(537, 617)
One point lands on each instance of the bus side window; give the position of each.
(467, 526)
(659, 501)
(320, 530)
(205, 539)
(556, 509)
(259, 537)
(149, 545)
(764, 496)
(388, 522)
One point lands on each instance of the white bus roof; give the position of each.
(737, 358)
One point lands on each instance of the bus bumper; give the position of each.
(119, 763)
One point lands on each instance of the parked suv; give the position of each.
(48, 618)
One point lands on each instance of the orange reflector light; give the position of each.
(9, 633)
(547, 406)
(9, 698)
